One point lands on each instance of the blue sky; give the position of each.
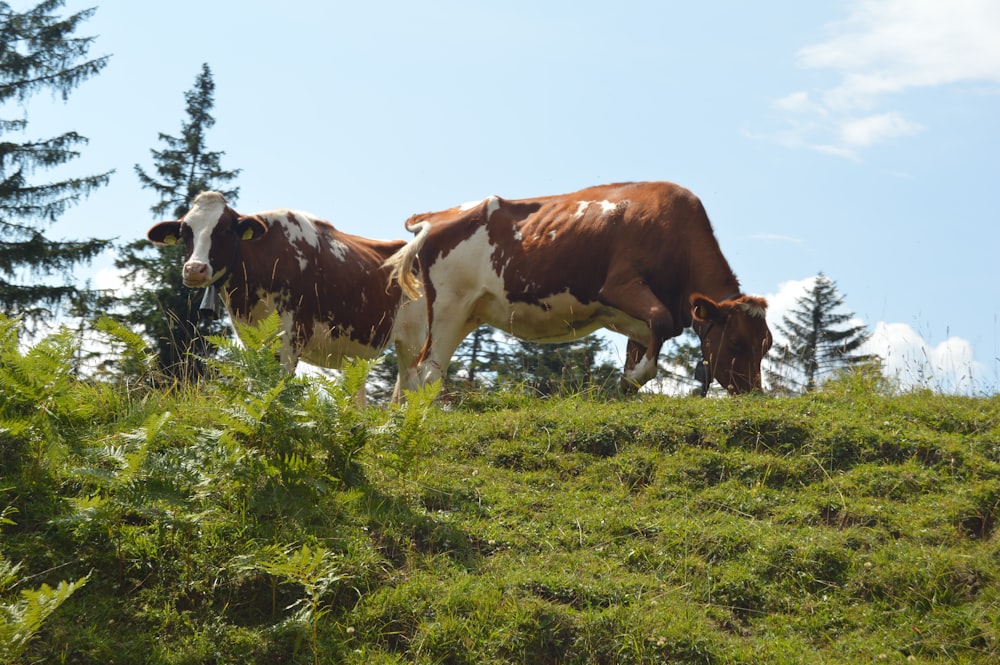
(855, 137)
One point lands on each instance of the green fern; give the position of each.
(20, 621)
(317, 570)
(37, 393)
(131, 354)
(401, 440)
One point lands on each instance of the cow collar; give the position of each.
(211, 304)
(701, 369)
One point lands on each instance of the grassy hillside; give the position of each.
(262, 519)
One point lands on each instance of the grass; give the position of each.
(275, 523)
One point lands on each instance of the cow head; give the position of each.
(212, 233)
(734, 339)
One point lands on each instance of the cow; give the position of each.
(639, 259)
(335, 297)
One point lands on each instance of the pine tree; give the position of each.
(39, 52)
(478, 354)
(818, 343)
(168, 312)
(557, 369)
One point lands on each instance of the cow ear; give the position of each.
(250, 228)
(165, 233)
(704, 308)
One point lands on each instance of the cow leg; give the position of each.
(634, 298)
(442, 342)
(634, 352)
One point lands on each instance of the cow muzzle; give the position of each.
(196, 274)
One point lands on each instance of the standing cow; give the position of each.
(335, 297)
(640, 259)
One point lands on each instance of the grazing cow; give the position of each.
(334, 295)
(640, 259)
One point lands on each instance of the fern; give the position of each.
(132, 356)
(21, 620)
(316, 569)
(402, 439)
(37, 393)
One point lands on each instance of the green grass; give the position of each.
(265, 520)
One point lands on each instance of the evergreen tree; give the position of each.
(39, 52)
(480, 353)
(820, 340)
(168, 312)
(558, 369)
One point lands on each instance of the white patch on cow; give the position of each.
(552, 235)
(517, 234)
(492, 205)
(466, 274)
(300, 229)
(340, 250)
(643, 372)
(607, 207)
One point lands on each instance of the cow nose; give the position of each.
(195, 272)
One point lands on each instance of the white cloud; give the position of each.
(907, 357)
(884, 48)
(874, 129)
(915, 363)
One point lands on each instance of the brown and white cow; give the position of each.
(640, 259)
(335, 297)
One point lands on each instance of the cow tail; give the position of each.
(401, 263)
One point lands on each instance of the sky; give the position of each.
(857, 138)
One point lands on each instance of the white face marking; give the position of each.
(202, 219)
